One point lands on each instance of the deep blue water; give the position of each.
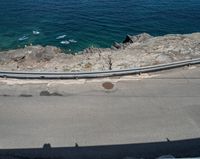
(92, 22)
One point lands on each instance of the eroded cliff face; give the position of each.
(135, 51)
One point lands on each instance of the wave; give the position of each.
(23, 38)
(65, 42)
(72, 41)
(36, 32)
(61, 37)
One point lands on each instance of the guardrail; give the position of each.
(98, 74)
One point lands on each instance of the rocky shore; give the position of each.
(134, 51)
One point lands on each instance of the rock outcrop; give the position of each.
(135, 51)
(137, 38)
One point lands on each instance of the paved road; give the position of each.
(165, 106)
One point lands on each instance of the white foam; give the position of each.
(23, 38)
(61, 37)
(72, 41)
(36, 32)
(65, 42)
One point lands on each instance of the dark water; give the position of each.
(92, 22)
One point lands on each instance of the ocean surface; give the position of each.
(78, 24)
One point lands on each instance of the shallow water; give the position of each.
(89, 23)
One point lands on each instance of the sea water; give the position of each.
(78, 24)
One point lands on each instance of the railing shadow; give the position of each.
(181, 148)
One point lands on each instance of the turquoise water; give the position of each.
(84, 23)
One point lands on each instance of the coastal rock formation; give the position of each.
(137, 38)
(135, 51)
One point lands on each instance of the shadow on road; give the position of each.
(182, 148)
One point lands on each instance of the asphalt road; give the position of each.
(163, 107)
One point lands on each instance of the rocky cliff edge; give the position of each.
(134, 51)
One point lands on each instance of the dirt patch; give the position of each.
(47, 93)
(25, 95)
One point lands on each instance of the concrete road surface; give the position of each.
(164, 106)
